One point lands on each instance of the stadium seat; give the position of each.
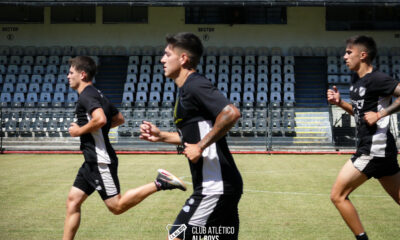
(142, 87)
(344, 69)
(34, 87)
(222, 86)
(262, 69)
(295, 51)
(276, 60)
(144, 78)
(276, 51)
(307, 51)
(288, 99)
(235, 99)
(4, 50)
(155, 87)
(276, 78)
(49, 78)
(332, 69)
(289, 78)
(384, 68)
(224, 60)
(54, 60)
(133, 60)
(275, 98)
(236, 78)
(51, 69)
(262, 87)
(249, 60)
(62, 79)
(211, 77)
(40, 61)
(3, 60)
(131, 78)
(288, 60)
(154, 99)
(27, 60)
(249, 78)
(223, 78)
(169, 87)
(168, 99)
(5, 99)
(396, 69)
(211, 60)
(65, 60)
(23, 78)
(396, 60)
(288, 69)
(262, 60)
(333, 78)
(64, 70)
(158, 69)
(236, 87)
(276, 129)
(237, 60)
(12, 69)
(262, 78)
(237, 69)
(127, 97)
(147, 51)
(47, 88)
(288, 87)
(345, 79)
(3, 69)
(249, 69)
(248, 87)
(210, 69)
(8, 87)
(60, 88)
(141, 99)
(275, 69)
(55, 51)
(25, 69)
(247, 127)
(15, 60)
(58, 99)
(248, 99)
(31, 97)
(223, 69)
(72, 98)
(38, 70)
(261, 127)
(10, 78)
(199, 69)
(129, 87)
(21, 88)
(135, 51)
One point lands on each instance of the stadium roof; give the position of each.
(204, 2)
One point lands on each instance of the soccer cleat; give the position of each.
(166, 180)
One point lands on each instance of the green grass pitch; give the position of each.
(285, 197)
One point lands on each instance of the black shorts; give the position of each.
(376, 167)
(208, 216)
(98, 176)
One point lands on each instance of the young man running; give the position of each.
(371, 92)
(203, 116)
(95, 117)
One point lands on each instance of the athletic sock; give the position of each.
(362, 236)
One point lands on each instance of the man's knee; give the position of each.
(116, 210)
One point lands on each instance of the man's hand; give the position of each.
(333, 96)
(372, 117)
(74, 130)
(149, 132)
(192, 152)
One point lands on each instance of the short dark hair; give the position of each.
(367, 42)
(188, 42)
(85, 64)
